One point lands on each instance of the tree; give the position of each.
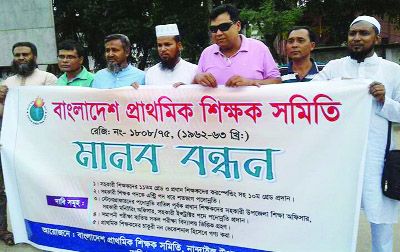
(335, 16)
(273, 17)
(89, 21)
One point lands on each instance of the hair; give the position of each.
(27, 44)
(229, 8)
(373, 26)
(126, 44)
(71, 45)
(177, 39)
(311, 33)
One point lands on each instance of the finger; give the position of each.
(135, 85)
(378, 93)
(375, 83)
(229, 83)
(175, 85)
(212, 80)
(205, 82)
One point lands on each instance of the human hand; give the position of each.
(377, 90)
(205, 79)
(3, 93)
(135, 85)
(239, 81)
(175, 85)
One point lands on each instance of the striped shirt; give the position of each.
(288, 75)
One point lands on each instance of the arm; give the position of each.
(51, 79)
(389, 105)
(3, 94)
(205, 79)
(325, 74)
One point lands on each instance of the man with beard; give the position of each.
(70, 59)
(25, 67)
(234, 60)
(27, 74)
(172, 69)
(119, 73)
(363, 63)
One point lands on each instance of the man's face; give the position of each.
(361, 40)
(225, 39)
(24, 62)
(23, 55)
(298, 45)
(69, 61)
(115, 53)
(168, 50)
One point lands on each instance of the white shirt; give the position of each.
(37, 78)
(378, 208)
(183, 72)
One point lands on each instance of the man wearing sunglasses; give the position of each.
(234, 60)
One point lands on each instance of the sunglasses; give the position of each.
(222, 27)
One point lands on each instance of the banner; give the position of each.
(271, 168)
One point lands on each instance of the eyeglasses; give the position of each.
(222, 27)
(66, 57)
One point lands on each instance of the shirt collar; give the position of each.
(368, 61)
(244, 45)
(83, 75)
(313, 70)
(128, 67)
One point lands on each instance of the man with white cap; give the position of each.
(172, 69)
(363, 63)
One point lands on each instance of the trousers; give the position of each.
(382, 237)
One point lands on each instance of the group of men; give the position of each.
(234, 60)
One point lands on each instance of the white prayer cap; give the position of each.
(368, 19)
(167, 30)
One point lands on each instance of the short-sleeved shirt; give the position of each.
(83, 79)
(288, 75)
(37, 78)
(105, 79)
(252, 61)
(183, 72)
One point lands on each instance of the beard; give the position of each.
(360, 55)
(114, 68)
(170, 63)
(24, 69)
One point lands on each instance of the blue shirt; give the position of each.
(105, 79)
(288, 75)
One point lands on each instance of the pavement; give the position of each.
(363, 241)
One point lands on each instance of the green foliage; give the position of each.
(90, 21)
(336, 15)
(273, 17)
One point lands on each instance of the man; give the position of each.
(363, 63)
(234, 60)
(299, 44)
(172, 69)
(119, 73)
(25, 67)
(70, 59)
(27, 74)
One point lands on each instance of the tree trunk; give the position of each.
(270, 43)
(143, 60)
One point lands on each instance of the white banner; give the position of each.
(276, 168)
